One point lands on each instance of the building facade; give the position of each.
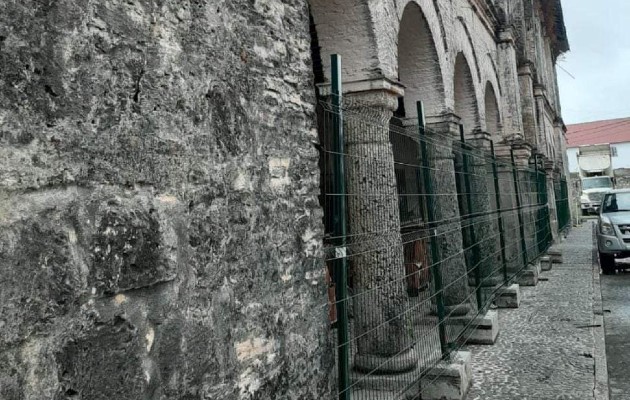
(615, 132)
(161, 229)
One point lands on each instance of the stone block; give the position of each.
(545, 263)
(484, 329)
(509, 297)
(537, 265)
(555, 254)
(449, 380)
(529, 277)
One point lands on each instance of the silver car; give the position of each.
(613, 229)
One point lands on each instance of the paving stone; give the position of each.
(545, 350)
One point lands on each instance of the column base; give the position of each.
(555, 254)
(370, 363)
(454, 310)
(509, 297)
(529, 276)
(545, 263)
(483, 329)
(449, 380)
(405, 386)
(488, 293)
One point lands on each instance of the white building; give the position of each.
(615, 132)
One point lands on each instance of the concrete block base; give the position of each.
(528, 277)
(450, 380)
(484, 329)
(556, 255)
(509, 297)
(545, 263)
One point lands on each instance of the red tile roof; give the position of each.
(599, 132)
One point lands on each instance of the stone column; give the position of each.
(378, 275)
(564, 167)
(551, 198)
(542, 139)
(445, 129)
(486, 227)
(522, 156)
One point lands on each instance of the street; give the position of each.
(616, 306)
(550, 347)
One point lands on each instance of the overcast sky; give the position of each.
(599, 36)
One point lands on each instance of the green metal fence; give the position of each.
(424, 225)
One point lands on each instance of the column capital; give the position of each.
(480, 139)
(522, 152)
(549, 165)
(444, 123)
(525, 68)
(378, 92)
(506, 36)
(540, 90)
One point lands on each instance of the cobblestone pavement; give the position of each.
(545, 348)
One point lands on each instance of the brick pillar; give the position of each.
(528, 106)
(542, 139)
(508, 76)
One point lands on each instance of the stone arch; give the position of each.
(419, 67)
(492, 113)
(347, 28)
(471, 46)
(494, 76)
(463, 46)
(466, 105)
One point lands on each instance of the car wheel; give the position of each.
(607, 262)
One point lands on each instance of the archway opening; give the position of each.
(465, 99)
(420, 73)
(493, 118)
(418, 65)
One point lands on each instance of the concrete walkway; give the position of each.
(548, 348)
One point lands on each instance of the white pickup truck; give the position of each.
(596, 175)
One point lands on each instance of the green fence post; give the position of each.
(470, 218)
(497, 195)
(339, 231)
(517, 192)
(435, 251)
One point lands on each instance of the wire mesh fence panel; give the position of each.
(563, 203)
(435, 226)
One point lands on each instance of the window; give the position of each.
(613, 151)
(616, 202)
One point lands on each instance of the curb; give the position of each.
(600, 389)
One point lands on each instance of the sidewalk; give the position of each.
(547, 348)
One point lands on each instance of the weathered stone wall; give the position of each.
(159, 225)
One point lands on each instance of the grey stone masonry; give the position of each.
(546, 347)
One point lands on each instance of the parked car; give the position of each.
(613, 229)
